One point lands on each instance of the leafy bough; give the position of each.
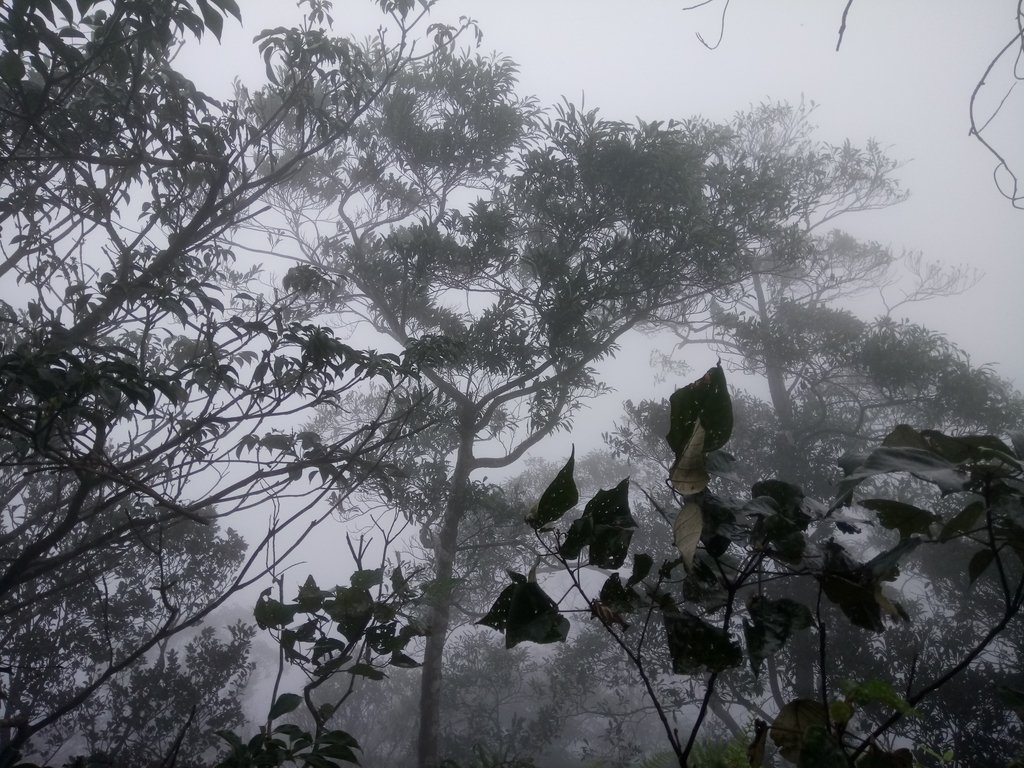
(729, 595)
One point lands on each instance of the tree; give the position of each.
(601, 228)
(149, 388)
(731, 556)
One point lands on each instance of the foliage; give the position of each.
(151, 386)
(751, 547)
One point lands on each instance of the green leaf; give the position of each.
(774, 621)
(286, 702)
(534, 616)
(896, 515)
(212, 18)
(922, 464)
(642, 564)
(876, 691)
(367, 578)
(399, 659)
(689, 475)
(963, 521)
(618, 597)
(579, 535)
(820, 749)
(613, 526)
(686, 531)
(790, 728)
(558, 498)
(366, 670)
(270, 613)
(981, 560)
(352, 609)
(706, 399)
(310, 596)
(497, 617)
(696, 646)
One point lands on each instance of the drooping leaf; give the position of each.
(270, 613)
(707, 400)
(688, 474)
(642, 564)
(497, 617)
(367, 578)
(981, 560)
(696, 646)
(790, 727)
(774, 621)
(579, 535)
(964, 521)
(286, 702)
(351, 608)
(558, 498)
(686, 531)
(606, 526)
(617, 597)
(899, 516)
(534, 616)
(922, 464)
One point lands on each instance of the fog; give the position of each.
(388, 315)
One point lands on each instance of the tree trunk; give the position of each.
(790, 467)
(427, 752)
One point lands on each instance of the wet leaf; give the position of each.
(686, 531)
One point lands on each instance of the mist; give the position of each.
(474, 384)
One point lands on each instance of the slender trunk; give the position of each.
(427, 752)
(790, 466)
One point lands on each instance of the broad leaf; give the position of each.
(981, 560)
(790, 728)
(899, 516)
(351, 608)
(963, 522)
(642, 564)
(686, 531)
(774, 621)
(558, 498)
(706, 400)
(688, 474)
(922, 464)
(696, 646)
(286, 702)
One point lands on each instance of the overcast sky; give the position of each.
(904, 76)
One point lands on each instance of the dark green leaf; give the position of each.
(922, 464)
(211, 17)
(286, 702)
(351, 608)
(696, 646)
(366, 670)
(642, 563)
(558, 498)
(270, 613)
(534, 616)
(613, 526)
(790, 727)
(706, 399)
(774, 621)
(367, 578)
(963, 522)
(896, 515)
(580, 535)
(981, 560)
(497, 617)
